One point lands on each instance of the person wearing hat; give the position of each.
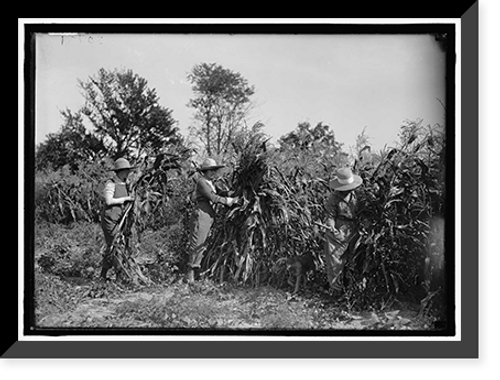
(204, 196)
(115, 196)
(340, 210)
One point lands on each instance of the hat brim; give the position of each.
(211, 168)
(129, 168)
(336, 185)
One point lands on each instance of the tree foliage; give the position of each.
(70, 145)
(126, 114)
(313, 151)
(221, 102)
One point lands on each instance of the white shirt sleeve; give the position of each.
(109, 192)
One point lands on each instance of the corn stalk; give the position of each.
(149, 186)
(122, 250)
(273, 220)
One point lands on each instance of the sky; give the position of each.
(348, 82)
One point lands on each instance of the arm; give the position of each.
(109, 191)
(331, 212)
(223, 193)
(204, 189)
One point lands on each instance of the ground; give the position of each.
(69, 304)
(68, 294)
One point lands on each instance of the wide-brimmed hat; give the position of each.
(210, 164)
(345, 180)
(121, 164)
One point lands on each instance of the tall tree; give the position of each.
(222, 100)
(126, 114)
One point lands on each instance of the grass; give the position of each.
(68, 295)
(205, 307)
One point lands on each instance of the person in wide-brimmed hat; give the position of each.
(210, 164)
(340, 219)
(204, 196)
(115, 196)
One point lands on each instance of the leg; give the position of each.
(334, 263)
(106, 263)
(297, 283)
(200, 228)
(107, 259)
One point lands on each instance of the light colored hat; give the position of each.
(345, 180)
(121, 164)
(210, 164)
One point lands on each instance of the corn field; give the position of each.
(280, 214)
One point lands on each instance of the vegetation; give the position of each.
(394, 260)
(222, 101)
(403, 194)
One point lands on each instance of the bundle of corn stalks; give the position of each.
(123, 251)
(273, 221)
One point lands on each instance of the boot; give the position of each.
(106, 264)
(197, 271)
(104, 273)
(190, 275)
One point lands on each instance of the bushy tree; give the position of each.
(126, 113)
(222, 100)
(312, 150)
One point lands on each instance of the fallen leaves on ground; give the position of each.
(204, 305)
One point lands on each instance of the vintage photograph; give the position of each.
(244, 183)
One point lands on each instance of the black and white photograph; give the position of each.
(267, 183)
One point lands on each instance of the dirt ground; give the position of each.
(73, 303)
(68, 295)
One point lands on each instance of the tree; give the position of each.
(314, 150)
(70, 145)
(221, 102)
(126, 115)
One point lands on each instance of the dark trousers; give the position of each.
(109, 260)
